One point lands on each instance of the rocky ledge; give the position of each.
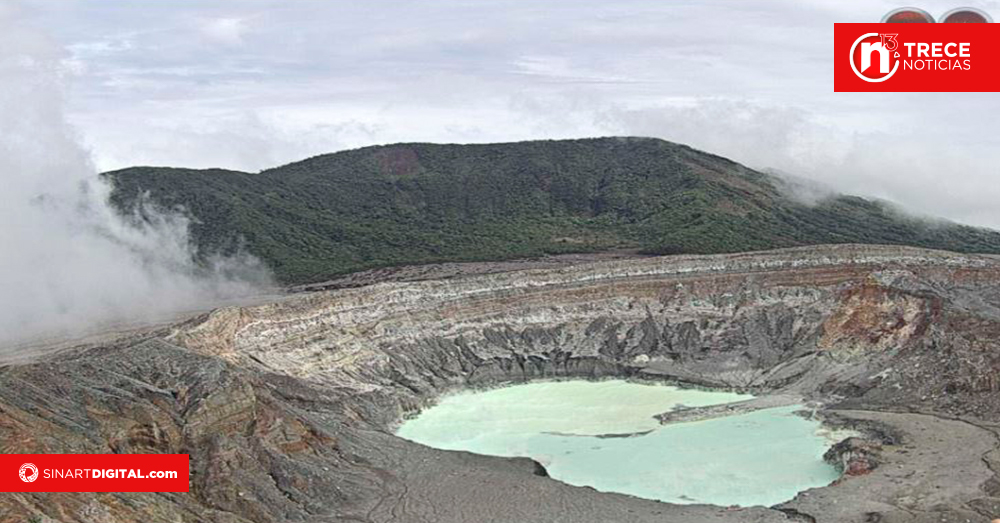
(287, 409)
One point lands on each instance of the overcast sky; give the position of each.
(249, 84)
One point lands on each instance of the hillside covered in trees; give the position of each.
(419, 203)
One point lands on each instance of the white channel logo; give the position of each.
(884, 48)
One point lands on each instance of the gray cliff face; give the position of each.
(287, 409)
(752, 321)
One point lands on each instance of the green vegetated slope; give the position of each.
(418, 203)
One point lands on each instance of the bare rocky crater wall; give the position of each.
(828, 321)
(286, 409)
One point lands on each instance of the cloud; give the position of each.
(255, 83)
(226, 31)
(917, 169)
(70, 264)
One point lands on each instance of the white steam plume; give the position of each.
(68, 263)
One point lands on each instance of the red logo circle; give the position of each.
(966, 15)
(908, 15)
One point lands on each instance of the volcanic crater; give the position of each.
(288, 409)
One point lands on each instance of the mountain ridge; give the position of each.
(416, 203)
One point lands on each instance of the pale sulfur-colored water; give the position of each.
(760, 458)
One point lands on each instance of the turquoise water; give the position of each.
(760, 458)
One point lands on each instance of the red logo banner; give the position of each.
(94, 473)
(916, 57)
